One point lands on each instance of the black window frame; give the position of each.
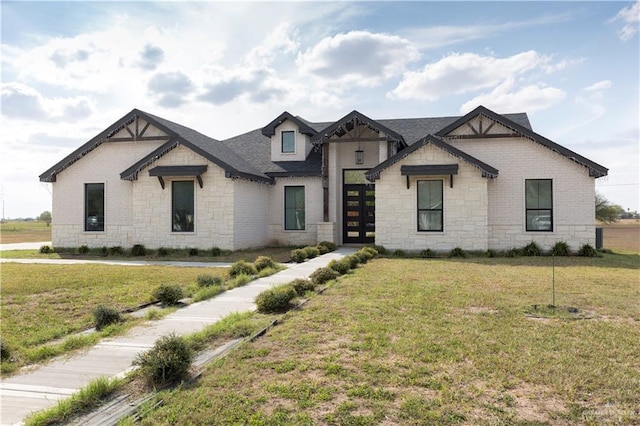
(419, 210)
(541, 211)
(293, 147)
(180, 223)
(93, 215)
(295, 209)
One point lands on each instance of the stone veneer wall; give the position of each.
(465, 206)
(519, 159)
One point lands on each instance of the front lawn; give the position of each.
(438, 341)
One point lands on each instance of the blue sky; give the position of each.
(70, 69)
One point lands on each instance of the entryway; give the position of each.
(359, 219)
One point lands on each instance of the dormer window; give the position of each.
(288, 142)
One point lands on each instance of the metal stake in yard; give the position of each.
(553, 262)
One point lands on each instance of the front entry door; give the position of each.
(359, 206)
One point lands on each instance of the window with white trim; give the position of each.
(430, 209)
(288, 142)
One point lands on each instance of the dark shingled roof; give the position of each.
(248, 155)
(487, 170)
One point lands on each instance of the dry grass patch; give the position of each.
(436, 342)
(15, 231)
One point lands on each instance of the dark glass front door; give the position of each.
(359, 206)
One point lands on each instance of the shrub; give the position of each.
(514, 252)
(322, 275)
(45, 249)
(328, 245)
(363, 257)
(368, 249)
(168, 294)
(207, 280)
(301, 286)
(276, 299)
(104, 251)
(116, 250)
(531, 249)
(399, 253)
(138, 250)
(381, 250)
(163, 251)
(298, 255)
(457, 252)
(340, 266)
(84, 249)
(311, 252)
(105, 315)
(242, 267)
(587, 251)
(264, 262)
(491, 253)
(561, 248)
(322, 249)
(352, 260)
(215, 251)
(5, 351)
(193, 251)
(169, 360)
(426, 253)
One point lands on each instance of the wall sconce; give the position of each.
(359, 156)
(325, 182)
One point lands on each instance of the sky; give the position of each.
(71, 69)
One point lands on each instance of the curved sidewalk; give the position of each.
(42, 388)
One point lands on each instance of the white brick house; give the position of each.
(481, 181)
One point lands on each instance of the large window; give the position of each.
(94, 207)
(288, 142)
(430, 205)
(539, 204)
(182, 211)
(294, 208)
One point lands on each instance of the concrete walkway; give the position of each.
(24, 246)
(43, 387)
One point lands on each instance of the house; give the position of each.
(481, 181)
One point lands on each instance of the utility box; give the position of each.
(599, 238)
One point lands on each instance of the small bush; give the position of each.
(352, 260)
(301, 286)
(104, 251)
(368, 249)
(531, 249)
(457, 252)
(426, 253)
(362, 256)
(587, 251)
(105, 315)
(328, 245)
(340, 266)
(45, 249)
(5, 351)
(514, 252)
(193, 251)
(84, 249)
(138, 250)
(311, 252)
(561, 248)
(116, 250)
(276, 299)
(381, 250)
(168, 294)
(322, 249)
(399, 253)
(298, 255)
(168, 361)
(264, 262)
(242, 267)
(207, 280)
(491, 253)
(322, 275)
(163, 251)
(215, 251)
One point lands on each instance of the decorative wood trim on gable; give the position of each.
(350, 125)
(162, 171)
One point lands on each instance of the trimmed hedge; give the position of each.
(264, 262)
(276, 299)
(340, 266)
(322, 275)
(298, 255)
(301, 286)
(242, 267)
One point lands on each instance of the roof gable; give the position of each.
(473, 119)
(487, 170)
(270, 129)
(351, 121)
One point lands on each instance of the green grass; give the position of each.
(41, 303)
(405, 341)
(16, 231)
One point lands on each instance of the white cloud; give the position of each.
(358, 58)
(465, 72)
(282, 39)
(630, 17)
(599, 86)
(23, 102)
(503, 99)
